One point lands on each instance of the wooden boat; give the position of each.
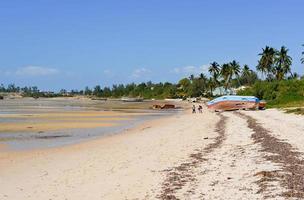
(156, 106)
(166, 106)
(235, 103)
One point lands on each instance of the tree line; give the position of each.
(273, 65)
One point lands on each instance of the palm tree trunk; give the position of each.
(291, 74)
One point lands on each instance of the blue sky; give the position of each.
(69, 44)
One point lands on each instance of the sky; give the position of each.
(71, 44)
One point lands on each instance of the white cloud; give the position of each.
(188, 70)
(141, 72)
(36, 71)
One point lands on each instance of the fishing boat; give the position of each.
(166, 106)
(234, 102)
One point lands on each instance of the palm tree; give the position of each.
(246, 70)
(266, 61)
(214, 70)
(235, 70)
(204, 81)
(203, 77)
(282, 63)
(229, 71)
(225, 72)
(191, 77)
(211, 84)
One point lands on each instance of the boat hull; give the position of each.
(132, 99)
(233, 105)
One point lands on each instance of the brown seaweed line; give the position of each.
(291, 176)
(177, 177)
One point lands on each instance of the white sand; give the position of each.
(131, 165)
(126, 165)
(289, 127)
(229, 171)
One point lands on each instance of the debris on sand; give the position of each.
(51, 136)
(277, 151)
(177, 177)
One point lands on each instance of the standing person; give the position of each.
(193, 109)
(200, 109)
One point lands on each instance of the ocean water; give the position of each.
(14, 111)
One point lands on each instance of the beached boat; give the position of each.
(166, 106)
(128, 99)
(235, 103)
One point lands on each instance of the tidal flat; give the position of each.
(27, 123)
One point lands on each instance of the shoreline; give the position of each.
(141, 151)
(26, 128)
(98, 139)
(183, 156)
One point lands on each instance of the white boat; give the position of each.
(234, 102)
(128, 99)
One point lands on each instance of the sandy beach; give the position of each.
(229, 155)
(152, 100)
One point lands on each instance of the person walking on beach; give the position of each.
(193, 109)
(200, 109)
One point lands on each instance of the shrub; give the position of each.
(278, 93)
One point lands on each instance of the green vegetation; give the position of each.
(229, 74)
(278, 86)
(283, 93)
(278, 89)
(31, 91)
(275, 64)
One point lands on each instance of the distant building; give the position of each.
(241, 88)
(219, 91)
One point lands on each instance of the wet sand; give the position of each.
(27, 123)
(229, 155)
(50, 126)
